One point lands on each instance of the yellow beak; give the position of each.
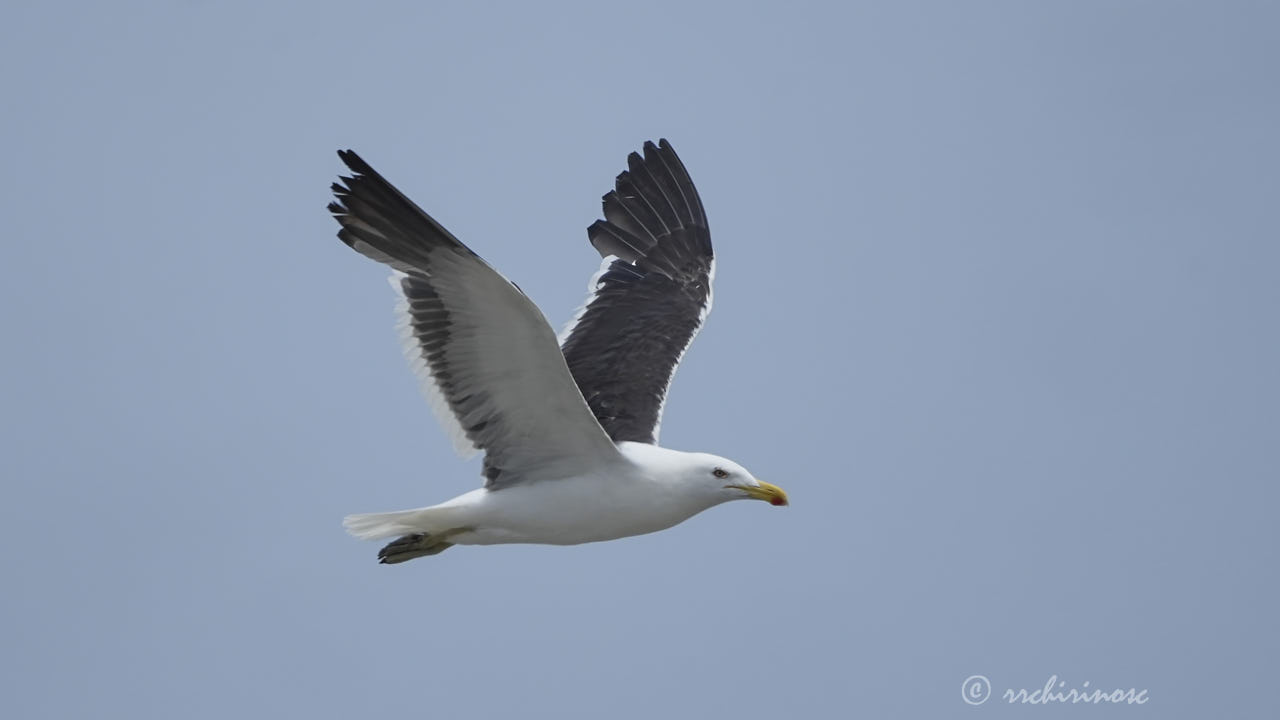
(768, 492)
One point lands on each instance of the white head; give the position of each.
(724, 480)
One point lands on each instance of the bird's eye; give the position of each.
(720, 473)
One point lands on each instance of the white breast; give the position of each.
(638, 496)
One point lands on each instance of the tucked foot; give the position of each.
(408, 547)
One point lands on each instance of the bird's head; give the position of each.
(731, 481)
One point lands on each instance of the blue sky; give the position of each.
(996, 304)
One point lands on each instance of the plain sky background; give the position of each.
(997, 305)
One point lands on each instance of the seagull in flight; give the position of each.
(568, 425)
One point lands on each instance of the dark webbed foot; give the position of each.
(408, 547)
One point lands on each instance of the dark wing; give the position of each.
(648, 302)
(484, 352)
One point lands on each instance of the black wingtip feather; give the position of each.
(357, 164)
(374, 213)
(609, 239)
(653, 200)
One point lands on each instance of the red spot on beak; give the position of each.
(777, 501)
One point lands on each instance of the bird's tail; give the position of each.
(371, 526)
(418, 532)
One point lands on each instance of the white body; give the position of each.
(648, 489)
(501, 383)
